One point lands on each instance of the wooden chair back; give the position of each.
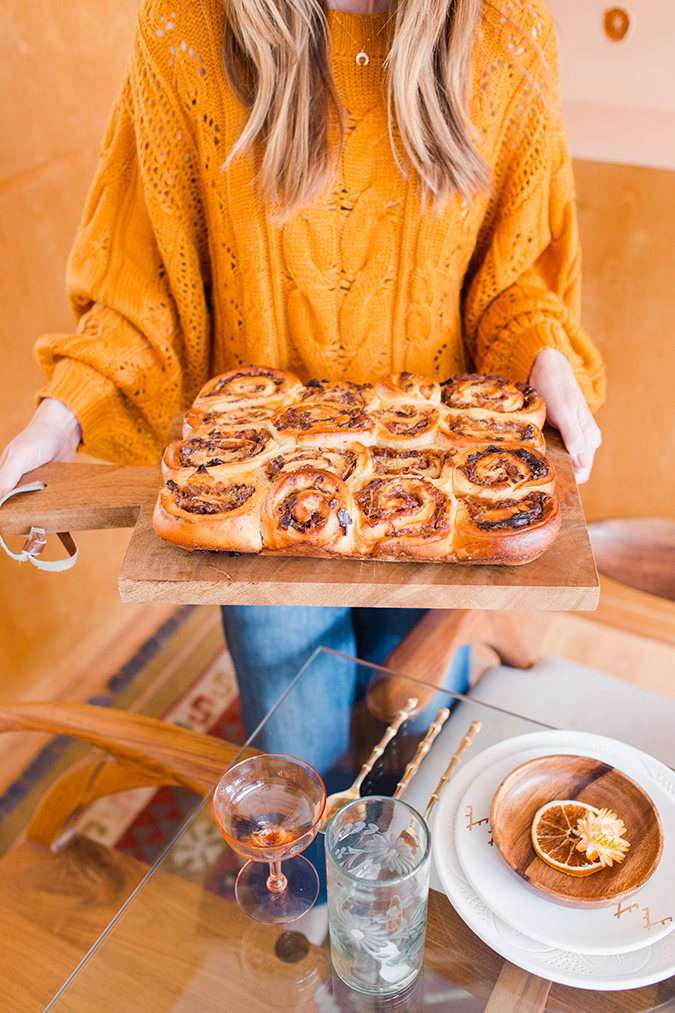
(638, 552)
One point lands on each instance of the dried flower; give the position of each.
(600, 837)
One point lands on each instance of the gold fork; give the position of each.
(338, 799)
(474, 728)
(422, 750)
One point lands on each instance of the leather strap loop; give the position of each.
(36, 540)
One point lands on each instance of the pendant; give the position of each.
(362, 59)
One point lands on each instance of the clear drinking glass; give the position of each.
(378, 865)
(269, 808)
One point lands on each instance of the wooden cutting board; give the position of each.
(85, 496)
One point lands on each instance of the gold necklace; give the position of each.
(362, 58)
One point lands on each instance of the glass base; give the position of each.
(400, 988)
(271, 907)
(280, 966)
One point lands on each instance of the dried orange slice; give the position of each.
(555, 837)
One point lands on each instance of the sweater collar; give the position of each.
(352, 32)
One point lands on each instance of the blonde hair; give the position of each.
(277, 61)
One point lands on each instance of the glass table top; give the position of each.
(181, 944)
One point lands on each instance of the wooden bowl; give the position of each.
(536, 782)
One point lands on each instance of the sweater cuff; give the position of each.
(531, 342)
(89, 395)
(589, 372)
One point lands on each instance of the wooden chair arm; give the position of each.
(427, 650)
(164, 753)
(94, 776)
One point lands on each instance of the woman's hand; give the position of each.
(53, 434)
(566, 409)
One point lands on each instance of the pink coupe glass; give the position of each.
(269, 808)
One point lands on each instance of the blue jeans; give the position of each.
(270, 644)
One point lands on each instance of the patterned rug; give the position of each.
(184, 675)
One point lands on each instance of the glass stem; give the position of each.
(276, 881)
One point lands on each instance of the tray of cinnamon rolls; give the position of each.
(403, 468)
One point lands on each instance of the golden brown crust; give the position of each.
(309, 508)
(403, 515)
(509, 531)
(205, 516)
(408, 387)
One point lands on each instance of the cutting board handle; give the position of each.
(80, 497)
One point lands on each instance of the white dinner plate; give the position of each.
(632, 969)
(618, 928)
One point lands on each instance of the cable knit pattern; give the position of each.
(178, 272)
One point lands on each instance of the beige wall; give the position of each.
(627, 225)
(60, 67)
(618, 96)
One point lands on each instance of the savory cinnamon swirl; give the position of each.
(236, 449)
(426, 462)
(322, 424)
(499, 472)
(352, 462)
(403, 516)
(204, 513)
(408, 387)
(352, 395)
(482, 396)
(255, 416)
(248, 385)
(457, 431)
(309, 509)
(406, 425)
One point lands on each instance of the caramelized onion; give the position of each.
(388, 461)
(212, 498)
(226, 449)
(508, 514)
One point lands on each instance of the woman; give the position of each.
(342, 190)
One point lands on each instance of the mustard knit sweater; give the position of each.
(179, 272)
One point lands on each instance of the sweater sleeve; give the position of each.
(136, 280)
(522, 291)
